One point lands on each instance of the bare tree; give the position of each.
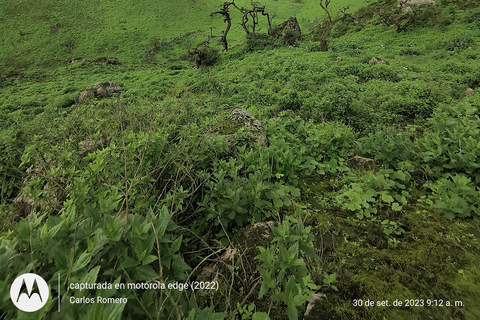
(224, 11)
(328, 23)
(403, 17)
(253, 14)
(203, 54)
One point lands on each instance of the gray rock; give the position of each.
(289, 30)
(113, 87)
(75, 60)
(410, 2)
(405, 5)
(240, 120)
(313, 311)
(101, 89)
(85, 94)
(376, 60)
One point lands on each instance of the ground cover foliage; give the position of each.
(369, 180)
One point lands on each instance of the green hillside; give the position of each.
(280, 181)
(51, 32)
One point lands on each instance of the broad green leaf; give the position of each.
(260, 316)
(295, 192)
(60, 255)
(114, 311)
(128, 262)
(144, 273)
(149, 259)
(107, 293)
(277, 203)
(263, 290)
(176, 244)
(396, 207)
(54, 230)
(95, 312)
(92, 213)
(91, 276)
(292, 313)
(400, 175)
(386, 197)
(369, 194)
(82, 261)
(44, 232)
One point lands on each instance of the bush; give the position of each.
(413, 99)
(473, 16)
(388, 146)
(259, 42)
(283, 268)
(453, 144)
(458, 43)
(456, 196)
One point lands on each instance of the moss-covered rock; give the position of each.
(288, 30)
(242, 125)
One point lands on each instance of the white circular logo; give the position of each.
(29, 292)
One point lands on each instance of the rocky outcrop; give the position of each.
(76, 60)
(85, 94)
(313, 311)
(355, 161)
(376, 60)
(100, 89)
(240, 121)
(113, 87)
(469, 92)
(88, 146)
(410, 2)
(406, 5)
(288, 30)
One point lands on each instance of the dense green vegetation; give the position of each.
(370, 171)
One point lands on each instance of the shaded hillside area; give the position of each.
(335, 176)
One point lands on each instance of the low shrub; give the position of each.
(456, 196)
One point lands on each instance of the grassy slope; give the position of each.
(436, 258)
(51, 32)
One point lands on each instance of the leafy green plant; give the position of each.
(248, 312)
(388, 146)
(329, 280)
(456, 196)
(453, 144)
(392, 229)
(458, 43)
(82, 241)
(238, 195)
(385, 188)
(283, 270)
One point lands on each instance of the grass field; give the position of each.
(370, 172)
(49, 32)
